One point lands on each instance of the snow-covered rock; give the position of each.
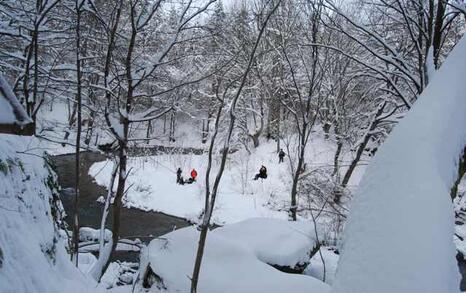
(93, 235)
(235, 258)
(273, 241)
(399, 233)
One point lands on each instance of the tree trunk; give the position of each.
(360, 150)
(97, 269)
(122, 144)
(78, 137)
(123, 141)
(336, 157)
(297, 173)
(437, 37)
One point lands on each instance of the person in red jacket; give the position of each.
(193, 174)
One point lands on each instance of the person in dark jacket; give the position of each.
(281, 156)
(262, 173)
(179, 179)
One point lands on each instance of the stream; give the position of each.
(135, 223)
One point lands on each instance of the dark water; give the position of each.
(134, 222)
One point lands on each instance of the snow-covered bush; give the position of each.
(317, 191)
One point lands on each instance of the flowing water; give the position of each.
(134, 223)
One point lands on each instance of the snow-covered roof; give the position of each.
(13, 117)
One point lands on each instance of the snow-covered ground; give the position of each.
(236, 258)
(153, 183)
(117, 277)
(398, 237)
(33, 256)
(323, 265)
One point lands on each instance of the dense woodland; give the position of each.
(128, 73)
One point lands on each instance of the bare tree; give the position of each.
(211, 194)
(78, 6)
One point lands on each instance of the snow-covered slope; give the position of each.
(399, 234)
(33, 257)
(154, 187)
(235, 258)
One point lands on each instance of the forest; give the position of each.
(132, 133)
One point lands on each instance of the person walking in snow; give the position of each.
(262, 173)
(281, 156)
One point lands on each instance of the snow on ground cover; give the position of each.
(233, 259)
(398, 237)
(316, 265)
(154, 187)
(34, 257)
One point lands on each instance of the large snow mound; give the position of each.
(399, 233)
(235, 258)
(33, 257)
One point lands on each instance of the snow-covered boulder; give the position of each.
(235, 258)
(93, 235)
(273, 241)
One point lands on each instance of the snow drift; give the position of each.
(235, 258)
(399, 234)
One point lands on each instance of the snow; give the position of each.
(399, 233)
(316, 266)
(273, 241)
(91, 234)
(34, 255)
(6, 112)
(11, 110)
(116, 271)
(234, 258)
(154, 187)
